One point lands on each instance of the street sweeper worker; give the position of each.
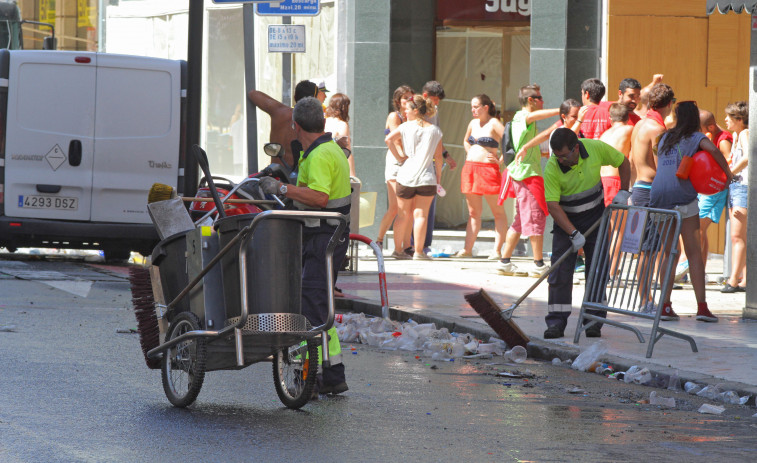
(574, 194)
(323, 184)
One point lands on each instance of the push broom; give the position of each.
(500, 320)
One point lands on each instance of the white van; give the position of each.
(84, 137)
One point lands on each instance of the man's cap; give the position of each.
(322, 87)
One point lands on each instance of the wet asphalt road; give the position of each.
(72, 389)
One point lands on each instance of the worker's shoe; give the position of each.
(537, 271)
(554, 332)
(510, 269)
(704, 314)
(334, 389)
(462, 253)
(667, 314)
(594, 331)
(421, 256)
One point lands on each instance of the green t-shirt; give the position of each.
(584, 175)
(530, 166)
(326, 170)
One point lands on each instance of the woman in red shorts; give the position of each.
(481, 177)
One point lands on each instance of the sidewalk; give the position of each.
(433, 291)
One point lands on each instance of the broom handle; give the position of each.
(551, 269)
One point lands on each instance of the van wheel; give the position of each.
(117, 255)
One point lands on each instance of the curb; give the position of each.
(538, 349)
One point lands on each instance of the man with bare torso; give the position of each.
(619, 137)
(281, 116)
(644, 139)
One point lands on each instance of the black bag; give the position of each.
(508, 148)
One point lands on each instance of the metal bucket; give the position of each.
(170, 257)
(274, 266)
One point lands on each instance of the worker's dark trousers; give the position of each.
(560, 297)
(314, 290)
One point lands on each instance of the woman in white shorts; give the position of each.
(670, 192)
(401, 96)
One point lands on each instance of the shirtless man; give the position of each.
(619, 137)
(644, 140)
(281, 115)
(643, 106)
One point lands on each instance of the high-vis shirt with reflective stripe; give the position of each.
(581, 184)
(325, 169)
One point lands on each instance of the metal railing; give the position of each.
(632, 270)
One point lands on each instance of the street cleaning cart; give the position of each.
(231, 297)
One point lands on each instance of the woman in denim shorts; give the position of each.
(737, 121)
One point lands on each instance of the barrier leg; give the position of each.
(381, 271)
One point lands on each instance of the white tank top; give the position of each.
(737, 154)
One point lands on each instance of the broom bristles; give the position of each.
(490, 312)
(160, 192)
(144, 309)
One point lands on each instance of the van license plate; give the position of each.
(48, 202)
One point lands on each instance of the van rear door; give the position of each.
(49, 144)
(137, 134)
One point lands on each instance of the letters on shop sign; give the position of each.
(522, 7)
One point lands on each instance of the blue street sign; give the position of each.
(289, 8)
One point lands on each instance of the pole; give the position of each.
(286, 71)
(194, 90)
(248, 12)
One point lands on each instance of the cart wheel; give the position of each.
(294, 375)
(183, 366)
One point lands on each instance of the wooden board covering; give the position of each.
(704, 58)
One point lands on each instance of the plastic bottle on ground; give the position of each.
(589, 356)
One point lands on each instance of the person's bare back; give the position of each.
(619, 137)
(644, 138)
(281, 121)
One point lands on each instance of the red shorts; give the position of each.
(529, 219)
(480, 178)
(611, 186)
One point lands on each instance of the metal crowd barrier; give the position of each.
(630, 272)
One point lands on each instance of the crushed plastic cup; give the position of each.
(674, 382)
(654, 399)
(517, 354)
(730, 397)
(556, 361)
(589, 356)
(692, 388)
(744, 400)
(638, 376)
(710, 392)
(711, 409)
